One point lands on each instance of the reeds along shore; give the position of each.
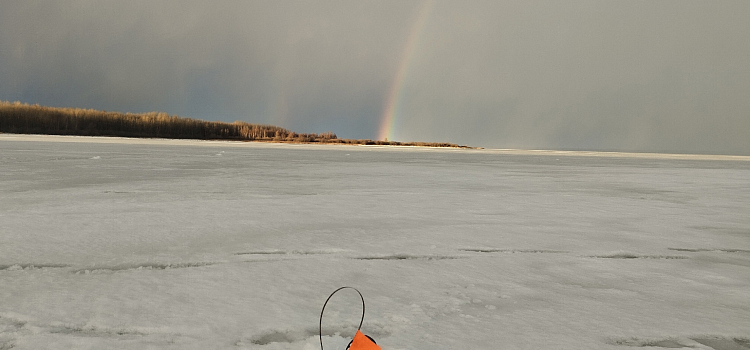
(20, 118)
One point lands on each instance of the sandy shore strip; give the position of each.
(233, 143)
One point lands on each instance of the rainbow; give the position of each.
(388, 118)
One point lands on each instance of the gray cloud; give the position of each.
(635, 75)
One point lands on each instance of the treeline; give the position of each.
(21, 118)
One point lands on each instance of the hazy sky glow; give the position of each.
(670, 76)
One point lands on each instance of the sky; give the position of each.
(644, 76)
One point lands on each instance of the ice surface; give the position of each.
(110, 243)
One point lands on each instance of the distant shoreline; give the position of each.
(236, 143)
(20, 118)
(212, 142)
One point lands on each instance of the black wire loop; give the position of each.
(320, 324)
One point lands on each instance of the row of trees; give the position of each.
(20, 118)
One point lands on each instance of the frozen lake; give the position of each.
(155, 244)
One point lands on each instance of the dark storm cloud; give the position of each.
(302, 64)
(631, 75)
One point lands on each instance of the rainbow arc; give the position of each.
(388, 120)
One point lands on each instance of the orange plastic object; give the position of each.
(362, 342)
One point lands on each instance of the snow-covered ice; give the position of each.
(110, 243)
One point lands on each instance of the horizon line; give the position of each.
(511, 151)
